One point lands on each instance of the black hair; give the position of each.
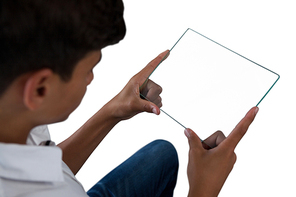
(55, 34)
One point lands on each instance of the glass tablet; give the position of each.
(209, 87)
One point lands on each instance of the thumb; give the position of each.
(193, 140)
(150, 107)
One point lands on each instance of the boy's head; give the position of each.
(54, 34)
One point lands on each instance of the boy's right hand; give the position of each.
(208, 169)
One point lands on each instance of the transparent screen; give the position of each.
(208, 87)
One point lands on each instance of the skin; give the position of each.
(41, 97)
(123, 106)
(208, 169)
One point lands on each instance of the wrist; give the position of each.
(109, 113)
(200, 194)
(202, 190)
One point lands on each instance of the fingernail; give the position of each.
(256, 110)
(154, 110)
(187, 133)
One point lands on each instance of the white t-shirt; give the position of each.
(36, 170)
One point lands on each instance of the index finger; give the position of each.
(145, 73)
(241, 128)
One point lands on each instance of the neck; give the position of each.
(15, 125)
(16, 120)
(14, 131)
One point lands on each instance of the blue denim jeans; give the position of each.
(151, 172)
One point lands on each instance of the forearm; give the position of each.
(79, 146)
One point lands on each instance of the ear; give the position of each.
(36, 88)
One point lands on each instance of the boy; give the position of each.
(48, 51)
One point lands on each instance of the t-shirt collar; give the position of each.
(31, 163)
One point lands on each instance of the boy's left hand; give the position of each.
(128, 102)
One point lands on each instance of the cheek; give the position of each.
(75, 97)
(79, 94)
(89, 78)
(72, 102)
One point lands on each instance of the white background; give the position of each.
(263, 31)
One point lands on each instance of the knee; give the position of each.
(163, 145)
(166, 151)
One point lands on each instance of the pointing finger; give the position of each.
(146, 71)
(241, 128)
